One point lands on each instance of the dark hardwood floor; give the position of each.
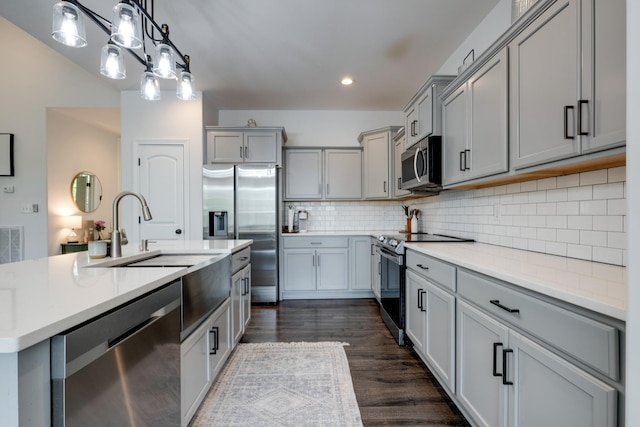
(392, 385)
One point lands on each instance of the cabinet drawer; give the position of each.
(315, 242)
(589, 341)
(432, 269)
(240, 259)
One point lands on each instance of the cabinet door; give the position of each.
(410, 126)
(548, 391)
(220, 344)
(225, 147)
(482, 394)
(415, 320)
(397, 168)
(237, 323)
(544, 78)
(425, 114)
(332, 269)
(195, 378)
(246, 298)
(260, 147)
(488, 94)
(303, 174)
(360, 263)
(343, 174)
(455, 133)
(299, 270)
(376, 166)
(603, 112)
(440, 345)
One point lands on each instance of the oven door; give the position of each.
(392, 290)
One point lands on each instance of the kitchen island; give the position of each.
(44, 297)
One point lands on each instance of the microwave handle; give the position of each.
(415, 164)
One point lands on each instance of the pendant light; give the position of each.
(149, 85)
(112, 62)
(126, 29)
(68, 25)
(184, 89)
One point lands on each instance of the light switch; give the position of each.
(8, 189)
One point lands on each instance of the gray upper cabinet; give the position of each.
(329, 174)
(568, 82)
(378, 161)
(343, 174)
(475, 124)
(603, 75)
(245, 145)
(422, 113)
(303, 174)
(399, 148)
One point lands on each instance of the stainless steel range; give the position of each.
(392, 276)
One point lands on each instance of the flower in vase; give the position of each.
(100, 226)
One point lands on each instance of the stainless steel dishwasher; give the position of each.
(122, 368)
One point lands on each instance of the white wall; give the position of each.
(633, 183)
(35, 77)
(316, 128)
(75, 146)
(158, 121)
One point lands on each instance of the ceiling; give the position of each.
(289, 54)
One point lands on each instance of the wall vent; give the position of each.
(11, 247)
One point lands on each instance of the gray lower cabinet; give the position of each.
(326, 267)
(506, 379)
(241, 301)
(375, 271)
(430, 324)
(202, 355)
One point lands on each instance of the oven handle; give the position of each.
(385, 254)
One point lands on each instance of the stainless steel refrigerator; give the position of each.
(249, 196)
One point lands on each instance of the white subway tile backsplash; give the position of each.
(580, 193)
(580, 215)
(618, 174)
(566, 181)
(608, 191)
(594, 177)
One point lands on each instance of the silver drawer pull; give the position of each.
(505, 308)
(316, 243)
(422, 266)
(244, 258)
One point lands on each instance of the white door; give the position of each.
(162, 183)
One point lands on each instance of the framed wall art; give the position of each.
(6, 154)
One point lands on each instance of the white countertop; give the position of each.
(341, 233)
(595, 286)
(43, 297)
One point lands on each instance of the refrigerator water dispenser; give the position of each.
(218, 225)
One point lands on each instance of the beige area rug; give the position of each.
(282, 384)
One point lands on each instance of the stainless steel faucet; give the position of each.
(118, 237)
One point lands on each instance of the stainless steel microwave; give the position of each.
(422, 166)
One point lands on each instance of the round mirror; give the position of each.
(86, 191)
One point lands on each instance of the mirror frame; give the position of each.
(91, 201)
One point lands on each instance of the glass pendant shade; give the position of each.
(164, 62)
(126, 30)
(68, 25)
(149, 87)
(112, 62)
(184, 89)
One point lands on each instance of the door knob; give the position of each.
(178, 231)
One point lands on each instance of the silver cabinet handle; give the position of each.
(240, 152)
(384, 186)
(246, 152)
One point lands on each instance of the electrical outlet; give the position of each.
(497, 213)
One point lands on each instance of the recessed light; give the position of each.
(347, 81)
